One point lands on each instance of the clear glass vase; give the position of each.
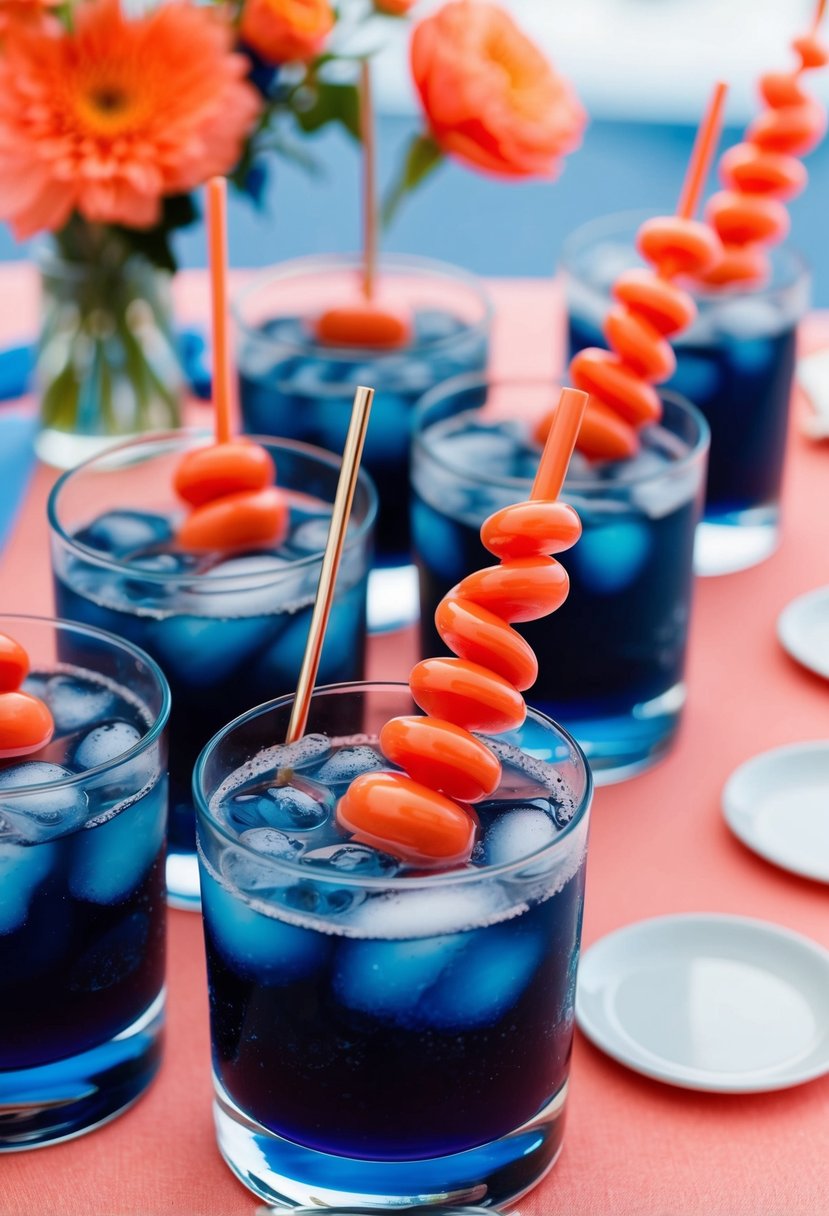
(108, 367)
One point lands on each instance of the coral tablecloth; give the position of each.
(659, 845)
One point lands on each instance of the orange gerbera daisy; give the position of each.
(108, 119)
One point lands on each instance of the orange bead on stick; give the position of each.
(414, 817)
(228, 484)
(365, 321)
(649, 308)
(26, 722)
(425, 827)
(14, 664)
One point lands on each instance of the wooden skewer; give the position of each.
(340, 514)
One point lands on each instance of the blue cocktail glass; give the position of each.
(82, 898)
(228, 630)
(381, 1035)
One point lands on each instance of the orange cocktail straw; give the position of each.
(217, 248)
(702, 154)
(559, 445)
(420, 815)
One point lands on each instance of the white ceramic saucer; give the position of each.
(803, 630)
(777, 803)
(719, 1003)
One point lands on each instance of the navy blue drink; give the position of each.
(735, 364)
(742, 385)
(612, 658)
(308, 396)
(82, 912)
(382, 1028)
(228, 630)
(290, 384)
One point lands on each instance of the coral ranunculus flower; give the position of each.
(112, 117)
(286, 31)
(490, 97)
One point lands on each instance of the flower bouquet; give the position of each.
(111, 121)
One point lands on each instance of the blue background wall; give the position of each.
(487, 226)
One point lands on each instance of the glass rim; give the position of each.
(147, 740)
(575, 483)
(293, 267)
(377, 882)
(218, 582)
(616, 221)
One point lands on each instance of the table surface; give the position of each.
(659, 845)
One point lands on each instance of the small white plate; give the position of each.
(777, 803)
(803, 630)
(719, 1003)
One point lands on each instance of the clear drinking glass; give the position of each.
(229, 631)
(735, 364)
(612, 658)
(82, 908)
(382, 1038)
(291, 385)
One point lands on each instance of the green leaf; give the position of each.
(321, 103)
(177, 211)
(422, 158)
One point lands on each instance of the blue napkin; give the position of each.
(17, 458)
(17, 366)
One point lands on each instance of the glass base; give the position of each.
(735, 540)
(620, 746)
(281, 1171)
(40, 1106)
(183, 890)
(393, 598)
(66, 449)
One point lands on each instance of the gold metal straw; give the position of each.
(340, 514)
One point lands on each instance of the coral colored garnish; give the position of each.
(228, 484)
(26, 722)
(14, 664)
(109, 118)
(236, 521)
(763, 172)
(365, 321)
(286, 31)
(421, 817)
(649, 309)
(490, 97)
(221, 469)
